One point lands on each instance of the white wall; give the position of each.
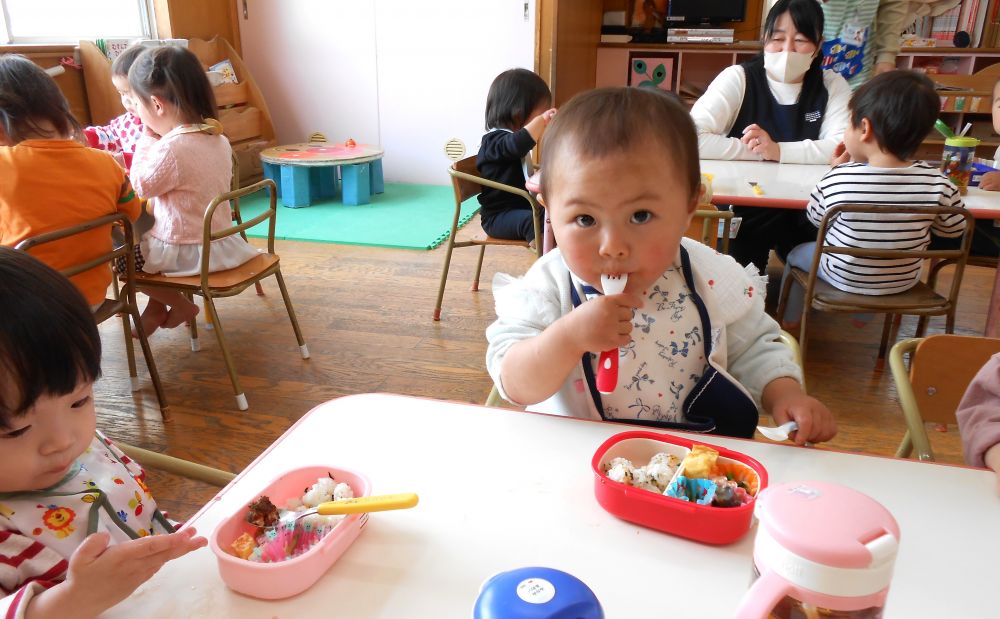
(406, 74)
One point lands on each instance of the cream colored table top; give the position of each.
(788, 185)
(503, 489)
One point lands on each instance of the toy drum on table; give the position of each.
(957, 161)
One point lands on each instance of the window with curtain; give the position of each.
(68, 21)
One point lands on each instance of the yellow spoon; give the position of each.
(357, 505)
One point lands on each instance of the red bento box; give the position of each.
(702, 523)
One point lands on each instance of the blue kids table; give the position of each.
(307, 172)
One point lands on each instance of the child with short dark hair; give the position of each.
(49, 180)
(890, 116)
(79, 529)
(120, 136)
(182, 162)
(517, 112)
(696, 350)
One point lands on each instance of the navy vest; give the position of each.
(715, 405)
(784, 123)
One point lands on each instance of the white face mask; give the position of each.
(787, 67)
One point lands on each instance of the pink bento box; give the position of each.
(273, 581)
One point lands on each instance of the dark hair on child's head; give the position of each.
(901, 107)
(31, 104)
(173, 74)
(49, 344)
(125, 60)
(513, 95)
(606, 121)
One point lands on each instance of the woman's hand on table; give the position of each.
(786, 401)
(840, 155)
(990, 181)
(758, 141)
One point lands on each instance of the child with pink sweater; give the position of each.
(979, 418)
(181, 163)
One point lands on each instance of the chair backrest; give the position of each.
(930, 390)
(959, 256)
(467, 182)
(941, 368)
(268, 215)
(704, 227)
(98, 259)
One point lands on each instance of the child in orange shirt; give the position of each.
(51, 180)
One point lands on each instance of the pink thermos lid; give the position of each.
(823, 544)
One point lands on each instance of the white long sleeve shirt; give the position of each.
(716, 111)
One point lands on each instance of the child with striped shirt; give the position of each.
(890, 116)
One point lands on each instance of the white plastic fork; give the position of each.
(607, 367)
(778, 433)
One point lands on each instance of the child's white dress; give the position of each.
(181, 173)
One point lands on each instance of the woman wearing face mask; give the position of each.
(780, 106)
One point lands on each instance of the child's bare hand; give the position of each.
(786, 401)
(990, 181)
(816, 423)
(605, 322)
(536, 126)
(100, 575)
(840, 155)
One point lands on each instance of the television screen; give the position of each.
(705, 11)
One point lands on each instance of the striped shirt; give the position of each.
(858, 183)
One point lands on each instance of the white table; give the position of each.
(788, 185)
(503, 489)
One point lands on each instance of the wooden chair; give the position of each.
(229, 283)
(468, 183)
(704, 227)
(124, 303)
(921, 300)
(941, 368)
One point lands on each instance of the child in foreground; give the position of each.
(517, 112)
(79, 529)
(696, 350)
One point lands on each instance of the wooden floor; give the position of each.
(366, 315)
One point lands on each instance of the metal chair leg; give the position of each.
(147, 353)
(887, 329)
(303, 349)
(241, 398)
(444, 275)
(193, 325)
(479, 268)
(905, 446)
(133, 371)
